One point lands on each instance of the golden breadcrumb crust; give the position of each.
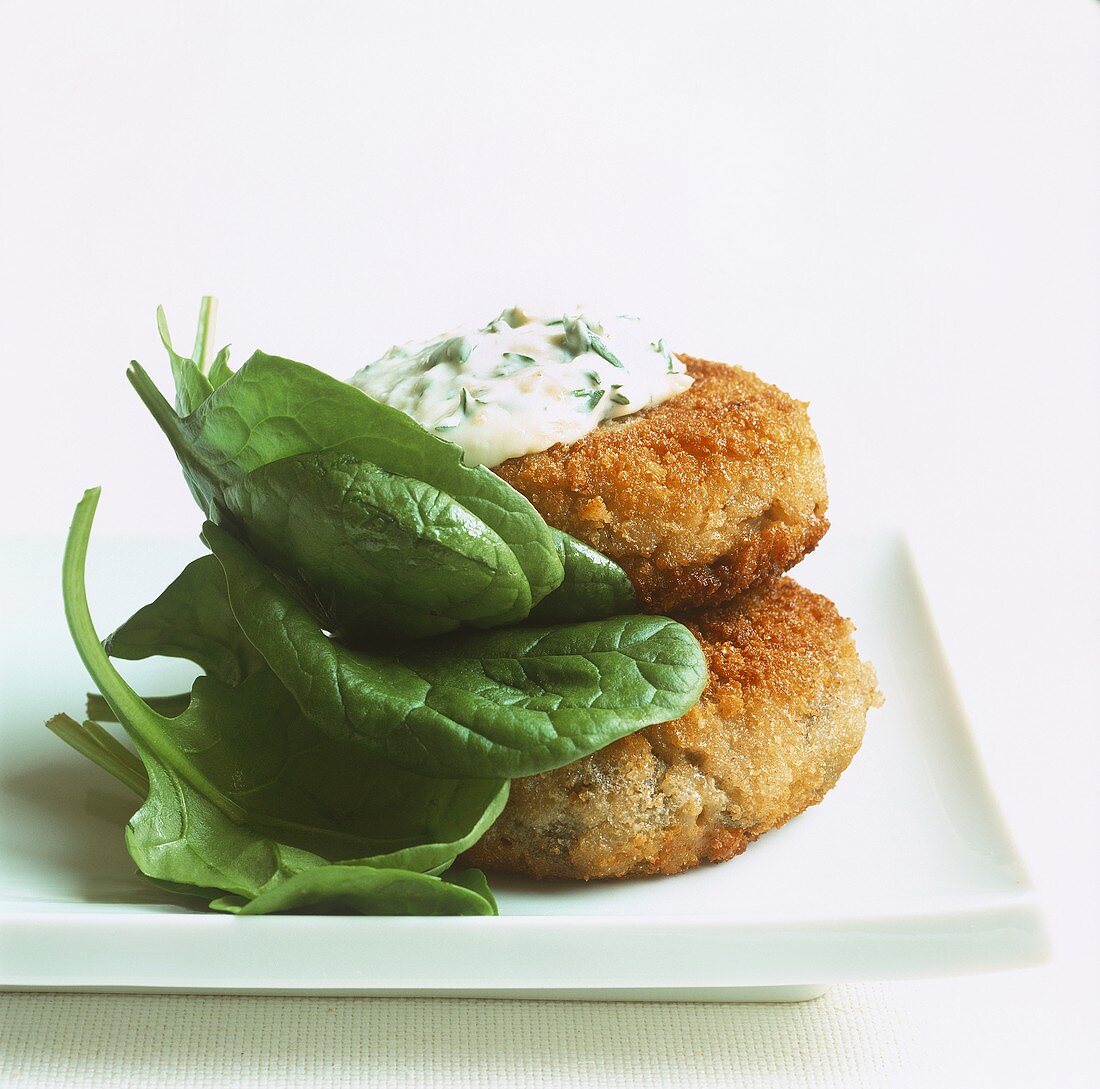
(696, 498)
(782, 715)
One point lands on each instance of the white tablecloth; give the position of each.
(962, 1032)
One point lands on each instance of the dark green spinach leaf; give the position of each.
(243, 791)
(368, 891)
(594, 587)
(375, 551)
(191, 619)
(274, 408)
(195, 378)
(507, 702)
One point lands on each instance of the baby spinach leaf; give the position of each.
(475, 881)
(509, 702)
(243, 792)
(191, 619)
(274, 408)
(401, 818)
(192, 386)
(207, 895)
(375, 550)
(195, 378)
(594, 587)
(367, 891)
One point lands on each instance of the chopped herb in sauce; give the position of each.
(603, 351)
(453, 350)
(522, 382)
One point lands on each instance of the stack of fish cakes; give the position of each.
(705, 501)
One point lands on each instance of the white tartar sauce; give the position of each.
(523, 383)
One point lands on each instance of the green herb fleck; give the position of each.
(603, 351)
(576, 336)
(620, 399)
(594, 398)
(513, 363)
(452, 350)
(660, 349)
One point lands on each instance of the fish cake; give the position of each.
(696, 498)
(781, 717)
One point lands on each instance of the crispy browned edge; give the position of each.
(697, 498)
(781, 717)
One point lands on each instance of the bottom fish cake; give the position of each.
(781, 717)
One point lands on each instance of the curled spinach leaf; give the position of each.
(243, 792)
(594, 586)
(508, 702)
(374, 550)
(275, 408)
(368, 891)
(191, 619)
(195, 378)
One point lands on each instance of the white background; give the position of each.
(888, 208)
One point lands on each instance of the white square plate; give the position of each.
(904, 870)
